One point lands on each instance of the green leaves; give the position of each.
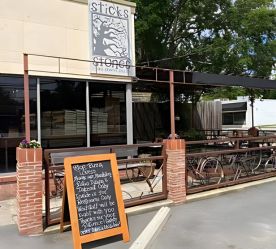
(218, 36)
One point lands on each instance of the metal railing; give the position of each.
(142, 170)
(218, 163)
(224, 133)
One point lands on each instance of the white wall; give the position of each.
(49, 27)
(265, 112)
(248, 118)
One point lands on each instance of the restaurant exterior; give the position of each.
(68, 79)
(83, 86)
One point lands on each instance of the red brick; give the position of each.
(29, 191)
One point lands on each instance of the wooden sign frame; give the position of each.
(123, 228)
(64, 208)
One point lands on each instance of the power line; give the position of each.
(195, 51)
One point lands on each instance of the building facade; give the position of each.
(81, 64)
(239, 114)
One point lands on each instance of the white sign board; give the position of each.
(111, 43)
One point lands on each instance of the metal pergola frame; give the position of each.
(153, 75)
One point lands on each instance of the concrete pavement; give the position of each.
(243, 219)
(8, 212)
(10, 238)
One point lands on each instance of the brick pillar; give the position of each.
(29, 191)
(176, 179)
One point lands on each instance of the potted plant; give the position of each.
(29, 151)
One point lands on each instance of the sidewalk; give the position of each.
(244, 219)
(7, 212)
(10, 239)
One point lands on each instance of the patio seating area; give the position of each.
(223, 162)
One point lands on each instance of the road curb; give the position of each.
(148, 235)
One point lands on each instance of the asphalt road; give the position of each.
(244, 219)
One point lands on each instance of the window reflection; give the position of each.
(107, 114)
(12, 119)
(63, 114)
(234, 118)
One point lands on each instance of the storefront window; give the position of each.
(63, 113)
(12, 119)
(107, 113)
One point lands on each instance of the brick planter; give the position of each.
(29, 191)
(176, 180)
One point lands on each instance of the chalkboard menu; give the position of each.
(95, 198)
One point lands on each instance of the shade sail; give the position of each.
(204, 79)
(228, 80)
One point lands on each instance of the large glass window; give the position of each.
(63, 113)
(12, 119)
(107, 113)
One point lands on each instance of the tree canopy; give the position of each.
(218, 36)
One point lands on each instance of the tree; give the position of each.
(151, 27)
(218, 36)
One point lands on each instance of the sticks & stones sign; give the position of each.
(111, 41)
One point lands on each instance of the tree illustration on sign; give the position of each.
(110, 36)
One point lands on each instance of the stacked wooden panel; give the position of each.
(46, 123)
(64, 122)
(98, 122)
(81, 122)
(113, 110)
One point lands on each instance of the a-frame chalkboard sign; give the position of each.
(95, 198)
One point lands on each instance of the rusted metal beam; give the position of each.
(231, 151)
(26, 98)
(172, 104)
(268, 138)
(147, 199)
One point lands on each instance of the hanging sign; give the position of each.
(95, 198)
(110, 36)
